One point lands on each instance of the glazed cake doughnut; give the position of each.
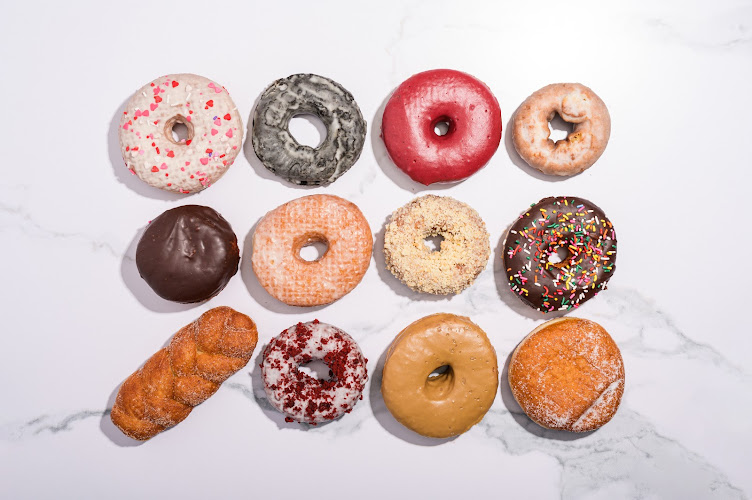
(214, 128)
(452, 402)
(568, 374)
(281, 234)
(575, 104)
(457, 99)
(463, 253)
(316, 95)
(560, 253)
(300, 397)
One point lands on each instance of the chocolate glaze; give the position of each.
(188, 254)
(583, 237)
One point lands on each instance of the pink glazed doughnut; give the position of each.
(214, 133)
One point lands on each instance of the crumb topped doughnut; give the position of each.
(560, 253)
(300, 397)
(568, 374)
(212, 122)
(463, 253)
(574, 103)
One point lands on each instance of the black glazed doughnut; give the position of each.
(560, 253)
(308, 94)
(188, 254)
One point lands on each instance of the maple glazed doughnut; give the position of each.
(281, 234)
(462, 102)
(560, 253)
(300, 397)
(452, 402)
(568, 374)
(214, 133)
(463, 253)
(575, 104)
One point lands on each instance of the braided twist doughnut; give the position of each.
(184, 374)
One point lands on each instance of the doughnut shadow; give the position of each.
(123, 175)
(385, 418)
(258, 292)
(522, 419)
(401, 179)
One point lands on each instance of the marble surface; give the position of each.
(78, 319)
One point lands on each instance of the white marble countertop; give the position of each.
(674, 179)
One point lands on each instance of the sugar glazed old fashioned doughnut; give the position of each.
(300, 397)
(463, 253)
(314, 95)
(575, 104)
(560, 253)
(282, 233)
(568, 374)
(467, 109)
(452, 401)
(212, 123)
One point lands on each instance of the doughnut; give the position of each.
(442, 95)
(188, 254)
(452, 402)
(214, 133)
(560, 253)
(568, 374)
(575, 104)
(300, 397)
(307, 94)
(281, 234)
(463, 253)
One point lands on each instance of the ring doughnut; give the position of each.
(463, 103)
(568, 374)
(316, 95)
(560, 253)
(214, 133)
(324, 218)
(452, 402)
(575, 104)
(463, 253)
(300, 397)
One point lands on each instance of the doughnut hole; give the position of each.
(307, 130)
(311, 247)
(559, 256)
(559, 129)
(443, 126)
(317, 369)
(439, 382)
(433, 242)
(178, 130)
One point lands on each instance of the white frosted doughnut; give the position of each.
(215, 133)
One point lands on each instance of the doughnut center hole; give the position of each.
(442, 126)
(433, 242)
(559, 129)
(307, 130)
(317, 369)
(438, 372)
(439, 382)
(178, 130)
(313, 250)
(559, 256)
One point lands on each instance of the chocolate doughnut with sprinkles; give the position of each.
(560, 253)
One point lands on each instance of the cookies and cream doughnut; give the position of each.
(463, 253)
(575, 104)
(315, 95)
(568, 374)
(300, 397)
(214, 133)
(448, 403)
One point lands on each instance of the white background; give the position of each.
(77, 319)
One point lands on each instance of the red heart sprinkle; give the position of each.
(210, 103)
(155, 169)
(171, 154)
(174, 84)
(227, 116)
(157, 98)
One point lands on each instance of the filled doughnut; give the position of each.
(447, 403)
(560, 253)
(188, 254)
(212, 123)
(568, 374)
(315, 95)
(463, 253)
(300, 397)
(324, 218)
(463, 104)
(575, 104)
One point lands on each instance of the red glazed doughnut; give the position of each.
(432, 97)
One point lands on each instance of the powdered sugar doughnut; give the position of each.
(301, 397)
(215, 133)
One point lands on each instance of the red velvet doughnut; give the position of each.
(441, 95)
